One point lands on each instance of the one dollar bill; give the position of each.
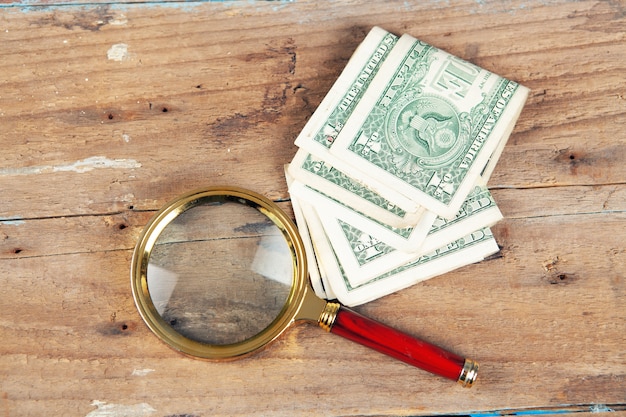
(428, 125)
(469, 249)
(318, 136)
(365, 249)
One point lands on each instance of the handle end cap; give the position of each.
(468, 374)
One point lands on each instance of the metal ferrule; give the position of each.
(328, 316)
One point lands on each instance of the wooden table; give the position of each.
(108, 110)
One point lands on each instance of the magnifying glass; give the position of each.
(219, 273)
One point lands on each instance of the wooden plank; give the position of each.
(120, 231)
(114, 110)
(96, 136)
(540, 314)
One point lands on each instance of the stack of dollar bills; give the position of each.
(389, 183)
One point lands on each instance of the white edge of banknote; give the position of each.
(381, 257)
(365, 171)
(320, 246)
(335, 95)
(407, 239)
(495, 156)
(338, 97)
(391, 282)
(312, 264)
(390, 194)
(458, 227)
(333, 98)
(382, 211)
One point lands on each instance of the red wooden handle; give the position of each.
(424, 355)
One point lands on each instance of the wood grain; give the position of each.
(215, 93)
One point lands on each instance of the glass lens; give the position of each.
(220, 272)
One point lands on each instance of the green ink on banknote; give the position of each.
(427, 131)
(326, 172)
(338, 117)
(459, 245)
(365, 247)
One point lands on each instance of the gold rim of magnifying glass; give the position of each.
(145, 245)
